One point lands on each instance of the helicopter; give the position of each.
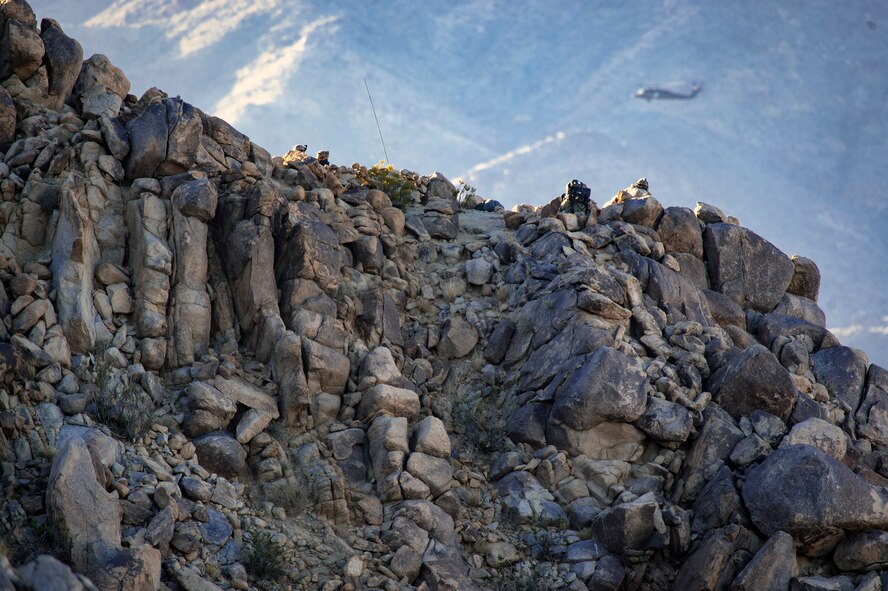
(650, 93)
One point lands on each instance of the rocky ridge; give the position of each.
(220, 369)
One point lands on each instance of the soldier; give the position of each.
(578, 196)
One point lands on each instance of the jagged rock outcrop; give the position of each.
(210, 356)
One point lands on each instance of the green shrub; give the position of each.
(38, 537)
(384, 177)
(122, 405)
(518, 578)
(465, 192)
(481, 424)
(265, 559)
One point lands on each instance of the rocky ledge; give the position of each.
(223, 370)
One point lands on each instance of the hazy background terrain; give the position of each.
(788, 134)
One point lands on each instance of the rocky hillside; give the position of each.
(220, 369)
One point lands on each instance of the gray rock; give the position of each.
(217, 529)
(458, 338)
(63, 58)
(772, 568)
(430, 437)
(115, 136)
(805, 278)
(528, 424)
(753, 380)
(478, 271)
(21, 50)
(7, 119)
(609, 386)
(709, 214)
(746, 267)
(368, 252)
(863, 552)
(691, 268)
(147, 136)
(385, 400)
(219, 452)
(842, 371)
(415, 226)
(718, 437)
(435, 472)
(99, 71)
(644, 211)
(631, 526)
(724, 310)
(773, 326)
(406, 563)
(75, 252)
(800, 307)
(716, 560)
(48, 574)
(718, 504)
(378, 367)
(680, 231)
(326, 370)
(666, 421)
(669, 289)
(813, 497)
(828, 438)
(608, 576)
(840, 583)
(19, 10)
(872, 416)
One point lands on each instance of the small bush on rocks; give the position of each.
(121, 404)
(384, 177)
(482, 425)
(264, 559)
(516, 578)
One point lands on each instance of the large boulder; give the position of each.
(74, 255)
(219, 452)
(772, 568)
(842, 370)
(63, 58)
(753, 380)
(718, 437)
(872, 416)
(193, 203)
(87, 519)
(458, 338)
(746, 267)
(311, 251)
(805, 278)
(632, 526)
(385, 400)
(864, 551)
(644, 211)
(679, 231)
(19, 10)
(99, 71)
(813, 497)
(609, 386)
(21, 50)
(164, 139)
(669, 289)
(717, 559)
(772, 326)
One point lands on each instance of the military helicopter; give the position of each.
(650, 93)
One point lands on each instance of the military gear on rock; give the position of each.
(577, 194)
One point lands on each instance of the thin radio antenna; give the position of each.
(377, 121)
